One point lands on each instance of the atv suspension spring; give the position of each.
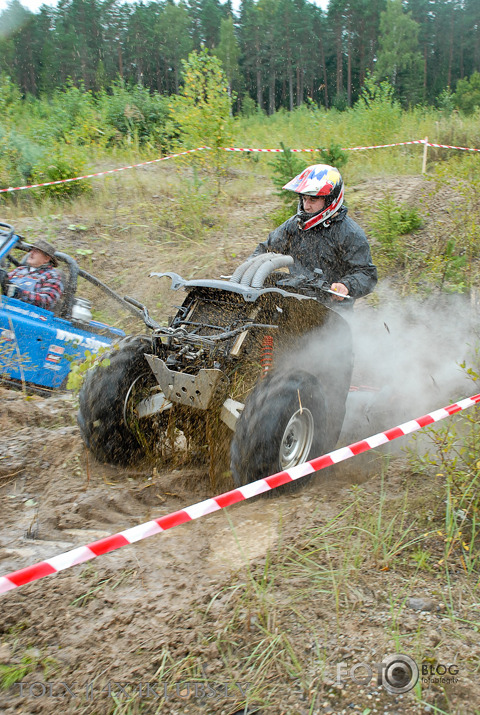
(266, 359)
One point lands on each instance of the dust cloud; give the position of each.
(408, 354)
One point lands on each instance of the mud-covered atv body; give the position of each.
(244, 364)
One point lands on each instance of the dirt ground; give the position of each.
(214, 616)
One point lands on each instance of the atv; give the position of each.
(37, 346)
(248, 367)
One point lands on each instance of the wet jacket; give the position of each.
(340, 250)
(40, 286)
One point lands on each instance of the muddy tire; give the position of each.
(105, 400)
(285, 422)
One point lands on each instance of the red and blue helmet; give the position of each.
(318, 180)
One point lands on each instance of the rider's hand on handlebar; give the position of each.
(339, 288)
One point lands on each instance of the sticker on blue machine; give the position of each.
(56, 349)
(49, 366)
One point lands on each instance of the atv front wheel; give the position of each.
(108, 397)
(285, 422)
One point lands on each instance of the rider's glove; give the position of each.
(299, 281)
(318, 281)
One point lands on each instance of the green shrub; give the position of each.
(18, 156)
(392, 221)
(334, 155)
(134, 113)
(10, 98)
(74, 115)
(249, 107)
(62, 162)
(467, 96)
(287, 165)
(377, 112)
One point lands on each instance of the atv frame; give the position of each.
(253, 374)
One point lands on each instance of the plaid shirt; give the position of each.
(47, 289)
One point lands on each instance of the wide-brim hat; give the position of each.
(46, 248)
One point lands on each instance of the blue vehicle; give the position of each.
(37, 346)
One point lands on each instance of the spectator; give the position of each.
(37, 282)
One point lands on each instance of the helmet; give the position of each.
(318, 180)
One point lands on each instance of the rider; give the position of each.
(37, 282)
(329, 249)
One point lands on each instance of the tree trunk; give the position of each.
(290, 86)
(271, 94)
(325, 82)
(120, 60)
(349, 73)
(450, 55)
(339, 61)
(259, 89)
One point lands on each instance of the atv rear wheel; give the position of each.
(285, 422)
(108, 397)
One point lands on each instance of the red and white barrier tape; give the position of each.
(136, 533)
(103, 173)
(449, 146)
(351, 148)
(226, 148)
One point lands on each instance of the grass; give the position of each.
(101, 585)
(30, 661)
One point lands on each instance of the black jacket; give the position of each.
(340, 250)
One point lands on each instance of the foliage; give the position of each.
(200, 115)
(76, 119)
(286, 165)
(228, 52)
(334, 156)
(377, 111)
(59, 164)
(134, 113)
(399, 58)
(446, 101)
(249, 108)
(18, 156)
(9, 97)
(280, 52)
(392, 221)
(78, 369)
(452, 260)
(467, 95)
